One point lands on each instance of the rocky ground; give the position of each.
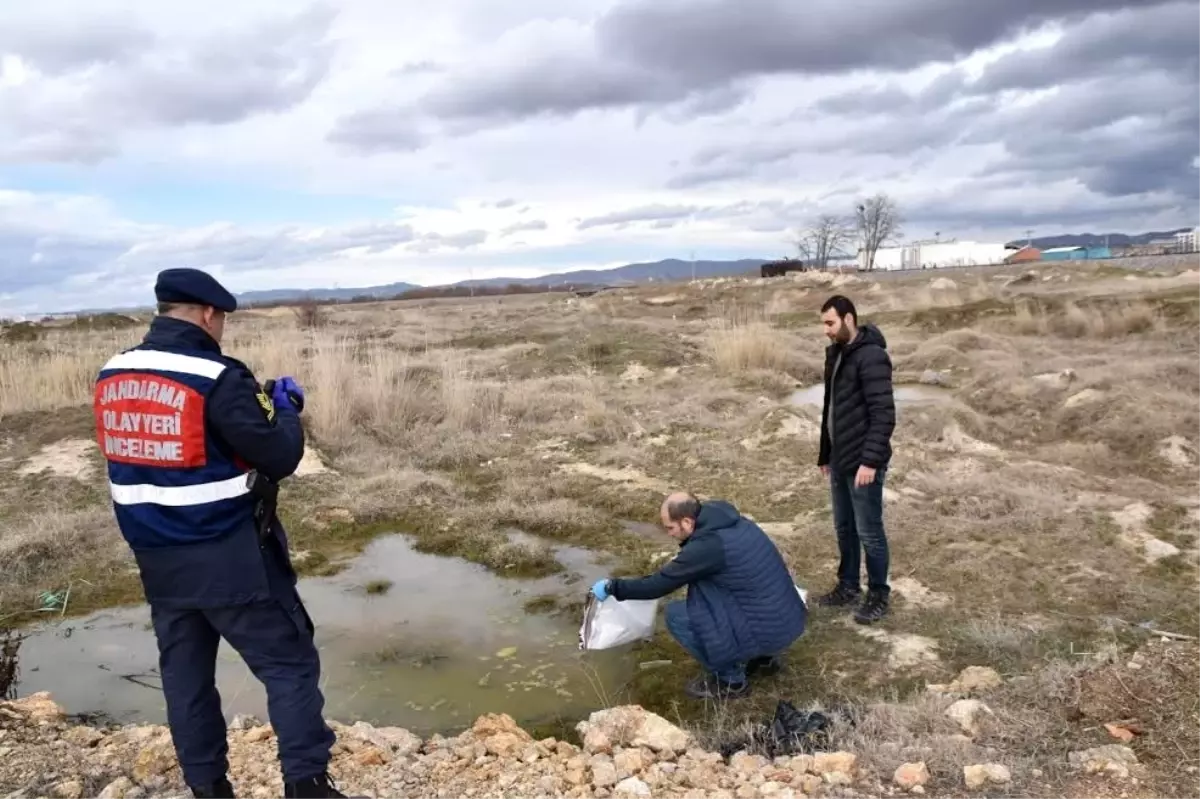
(627, 751)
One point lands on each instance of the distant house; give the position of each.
(1024, 255)
(1078, 253)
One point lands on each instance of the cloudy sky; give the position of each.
(359, 142)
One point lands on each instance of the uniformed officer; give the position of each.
(182, 426)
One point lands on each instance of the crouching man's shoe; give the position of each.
(766, 666)
(221, 789)
(321, 787)
(711, 687)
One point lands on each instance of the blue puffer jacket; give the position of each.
(741, 599)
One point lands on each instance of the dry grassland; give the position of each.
(1042, 508)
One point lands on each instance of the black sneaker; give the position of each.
(764, 666)
(221, 789)
(709, 687)
(874, 608)
(840, 597)
(321, 787)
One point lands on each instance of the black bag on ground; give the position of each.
(790, 732)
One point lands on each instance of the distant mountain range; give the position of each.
(1096, 239)
(630, 274)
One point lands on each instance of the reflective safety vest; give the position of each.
(169, 481)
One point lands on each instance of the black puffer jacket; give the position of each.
(864, 409)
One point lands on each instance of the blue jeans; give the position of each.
(858, 519)
(680, 628)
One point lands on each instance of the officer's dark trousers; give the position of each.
(275, 639)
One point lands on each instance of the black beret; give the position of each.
(194, 287)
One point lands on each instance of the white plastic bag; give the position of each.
(612, 623)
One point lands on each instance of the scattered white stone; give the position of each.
(986, 774)
(1086, 397)
(635, 373)
(943, 284)
(1156, 549)
(631, 725)
(1058, 380)
(969, 714)
(911, 775)
(1112, 759)
(1177, 451)
(631, 786)
(971, 680)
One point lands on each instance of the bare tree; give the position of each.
(878, 222)
(824, 239)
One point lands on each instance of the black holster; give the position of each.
(266, 494)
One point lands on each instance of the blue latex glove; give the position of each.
(287, 390)
(600, 590)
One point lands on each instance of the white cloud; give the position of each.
(478, 138)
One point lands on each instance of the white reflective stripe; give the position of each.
(179, 496)
(165, 362)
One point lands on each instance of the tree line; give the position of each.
(874, 223)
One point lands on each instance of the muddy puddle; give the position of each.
(648, 531)
(904, 395)
(446, 641)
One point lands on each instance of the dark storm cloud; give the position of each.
(657, 52)
(126, 78)
(1123, 117)
(722, 163)
(224, 78)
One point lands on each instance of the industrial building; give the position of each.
(936, 254)
(1079, 253)
(1186, 240)
(1024, 255)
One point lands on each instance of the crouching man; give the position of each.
(742, 609)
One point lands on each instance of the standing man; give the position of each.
(182, 427)
(857, 420)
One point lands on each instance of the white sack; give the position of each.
(612, 623)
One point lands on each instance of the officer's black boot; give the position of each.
(221, 789)
(312, 788)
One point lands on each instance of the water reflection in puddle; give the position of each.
(903, 395)
(448, 641)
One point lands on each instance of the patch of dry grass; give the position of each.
(740, 346)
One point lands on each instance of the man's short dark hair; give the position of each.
(687, 508)
(842, 305)
(168, 307)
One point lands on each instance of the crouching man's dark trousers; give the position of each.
(275, 639)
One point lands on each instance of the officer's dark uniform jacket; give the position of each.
(166, 412)
(741, 600)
